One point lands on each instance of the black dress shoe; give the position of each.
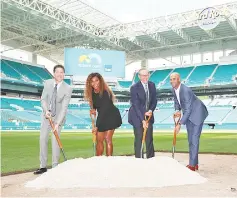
(40, 171)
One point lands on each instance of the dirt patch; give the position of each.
(220, 170)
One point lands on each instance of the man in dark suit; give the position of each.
(143, 102)
(194, 114)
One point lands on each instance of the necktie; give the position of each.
(53, 101)
(147, 96)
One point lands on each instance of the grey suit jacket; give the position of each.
(63, 98)
(193, 108)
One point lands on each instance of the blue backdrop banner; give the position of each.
(82, 62)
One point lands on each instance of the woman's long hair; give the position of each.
(103, 87)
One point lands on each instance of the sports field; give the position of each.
(20, 150)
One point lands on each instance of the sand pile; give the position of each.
(117, 172)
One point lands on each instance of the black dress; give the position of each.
(108, 115)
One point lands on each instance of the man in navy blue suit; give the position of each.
(194, 114)
(143, 102)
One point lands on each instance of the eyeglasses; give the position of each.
(143, 75)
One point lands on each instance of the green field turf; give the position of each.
(20, 150)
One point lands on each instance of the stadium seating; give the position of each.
(154, 76)
(6, 105)
(9, 71)
(84, 105)
(26, 116)
(72, 119)
(68, 81)
(24, 104)
(162, 114)
(29, 117)
(73, 106)
(7, 125)
(82, 114)
(184, 72)
(35, 74)
(159, 75)
(40, 71)
(232, 117)
(200, 74)
(166, 105)
(24, 72)
(125, 84)
(123, 106)
(34, 103)
(224, 74)
(217, 114)
(18, 120)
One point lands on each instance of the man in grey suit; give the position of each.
(54, 101)
(194, 113)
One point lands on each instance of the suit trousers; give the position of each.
(44, 137)
(138, 133)
(194, 132)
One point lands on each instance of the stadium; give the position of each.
(199, 42)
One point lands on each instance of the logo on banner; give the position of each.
(108, 68)
(84, 59)
(90, 61)
(209, 18)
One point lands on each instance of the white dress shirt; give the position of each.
(59, 84)
(144, 86)
(177, 94)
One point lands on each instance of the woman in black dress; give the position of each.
(101, 98)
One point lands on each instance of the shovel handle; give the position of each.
(175, 123)
(55, 133)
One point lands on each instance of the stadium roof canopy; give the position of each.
(45, 27)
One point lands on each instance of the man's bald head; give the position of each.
(175, 80)
(175, 74)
